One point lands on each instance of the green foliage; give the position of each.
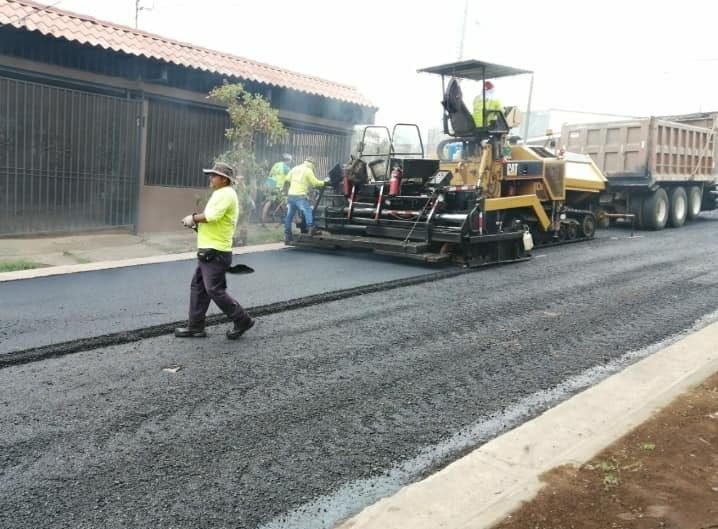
(250, 116)
(610, 480)
(606, 467)
(18, 264)
(610, 474)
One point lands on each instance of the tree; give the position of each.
(250, 115)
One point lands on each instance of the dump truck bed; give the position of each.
(650, 148)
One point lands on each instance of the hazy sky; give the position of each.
(623, 57)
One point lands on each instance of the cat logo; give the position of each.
(512, 169)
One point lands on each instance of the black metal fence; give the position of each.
(181, 141)
(326, 149)
(68, 159)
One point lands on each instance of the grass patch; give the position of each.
(19, 264)
(610, 473)
(610, 480)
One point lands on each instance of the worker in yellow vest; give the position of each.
(301, 178)
(215, 228)
(492, 103)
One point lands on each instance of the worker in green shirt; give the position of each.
(275, 185)
(215, 229)
(279, 171)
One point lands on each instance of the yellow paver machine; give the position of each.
(482, 200)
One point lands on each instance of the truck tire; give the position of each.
(655, 210)
(695, 200)
(588, 226)
(679, 207)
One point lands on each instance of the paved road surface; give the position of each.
(54, 309)
(317, 412)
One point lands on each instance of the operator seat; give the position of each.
(462, 120)
(456, 111)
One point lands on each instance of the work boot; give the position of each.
(287, 240)
(240, 327)
(191, 331)
(313, 230)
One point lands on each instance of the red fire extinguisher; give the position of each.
(395, 181)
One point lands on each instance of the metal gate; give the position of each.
(69, 160)
(182, 140)
(327, 149)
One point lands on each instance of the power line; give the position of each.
(24, 18)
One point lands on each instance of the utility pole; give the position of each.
(139, 8)
(463, 30)
(528, 110)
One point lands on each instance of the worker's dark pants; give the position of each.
(210, 284)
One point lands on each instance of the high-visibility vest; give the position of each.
(301, 178)
(278, 173)
(491, 104)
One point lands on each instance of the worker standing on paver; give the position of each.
(215, 229)
(491, 103)
(301, 178)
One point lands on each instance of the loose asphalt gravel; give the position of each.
(317, 412)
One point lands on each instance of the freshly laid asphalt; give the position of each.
(318, 412)
(43, 311)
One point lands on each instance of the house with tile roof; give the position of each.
(105, 126)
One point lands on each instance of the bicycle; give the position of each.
(274, 208)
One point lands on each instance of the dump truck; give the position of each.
(490, 204)
(659, 172)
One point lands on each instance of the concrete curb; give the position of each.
(104, 265)
(482, 488)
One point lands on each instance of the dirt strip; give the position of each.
(663, 474)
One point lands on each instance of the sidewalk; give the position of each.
(482, 488)
(92, 251)
(103, 246)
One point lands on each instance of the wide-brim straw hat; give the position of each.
(222, 169)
